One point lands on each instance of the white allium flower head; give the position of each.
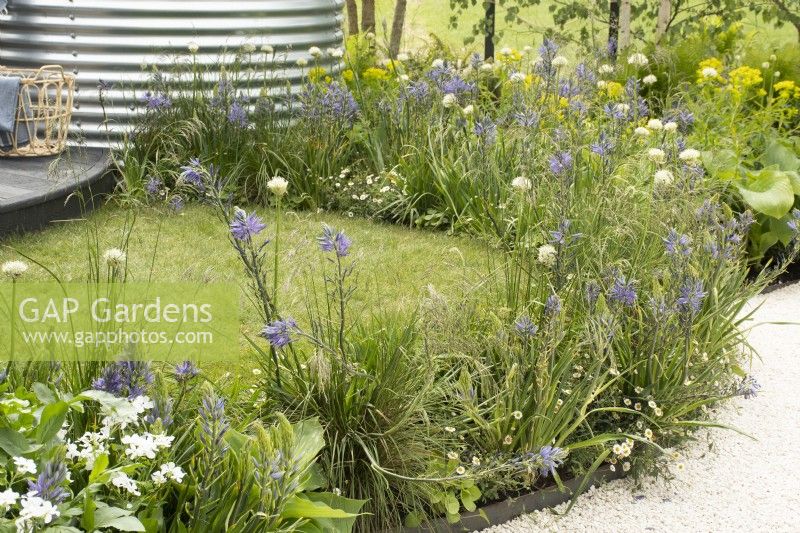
(602, 84)
(315, 52)
(560, 61)
(486, 67)
(641, 131)
(638, 59)
(468, 110)
(449, 100)
(437, 63)
(776, 74)
(622, 108)
(114, 257)
(521, 183)
(690, 155)
(765, 65)
(267, 49)
(302, 62)
(404, 77)
(650, 79)
(547, 255)
(605, 69)
(193, 47)
(248, 48)
(773, 57)
(709, 72)
(670, 126)
(517, 77)
(278, 186)
(505, 51)
(655, 124)
(14, 269)
(656, 155)
(335, 52)
(663, 177)
(402, 56)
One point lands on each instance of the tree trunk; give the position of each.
(488, 42)
(664, 13)
(368, 16)
(397, 28)
(625, 24)
(352, 17)
(613, 28)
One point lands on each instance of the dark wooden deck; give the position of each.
(36, 191)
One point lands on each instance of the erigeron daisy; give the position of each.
(663, 177)
(658, 411)
(14, 269)
(650, 79)
(648, 434)
(521, 183)
(637, 406)
(627, 401)
(617, 449)
(508, 440)
(560, 61)
(655, 124)
(517, 415)
(449, 100)
(476, 460)
(709, 72)
(278, 186)
(641, 131)
(605, 69)
(638, 59)
(461, 470)
(452, 456)
(670, 127)
(656, 155)
(547, 255)
(690, 155)
(626, 466)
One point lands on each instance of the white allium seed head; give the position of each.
(193, 47)
(656, 155)
(663, 177)
(114, 257)
(14, 269)
(547, 255)
(278, 186)
(765, 65)
(641, 131)
(267, 49)
(335, 52)
(449, 100)
(517, 77)
(302, 62)
(650, 79)
(602, 84)
(709, 72)
(468, 110)
(638, 59)
(605, 69)
(315, 52)
(690, 155)
(438, 63)
(655, 124)
(402, 56)
(521, 183)
(560, 61)
(670, 127)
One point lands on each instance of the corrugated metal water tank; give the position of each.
(114, 40)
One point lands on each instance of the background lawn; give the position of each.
(426, 17)
(394, 264)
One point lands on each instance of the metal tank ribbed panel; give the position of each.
(113, 39)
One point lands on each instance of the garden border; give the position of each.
(501, 512)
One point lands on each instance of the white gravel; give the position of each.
(729, 482)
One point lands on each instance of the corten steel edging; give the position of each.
(501, 512)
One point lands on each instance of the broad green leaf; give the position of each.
(301, 507)
(308, 440)
(44, 393)
(125, 523)
(338, 525)
(13, 442)
(721, 165)
(794, 179)
(53, 416)
(100, 465)
(61, 529)
(121, 519)
(767, 191)
(451, 504)
(780, 152)
(89, 507)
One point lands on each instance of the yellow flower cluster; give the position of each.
(707, 67)
(787, 89)
(744, 77)
(509, 55)
(375, 74)
(614, 89)
(318, 74)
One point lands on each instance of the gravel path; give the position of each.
(730, 482)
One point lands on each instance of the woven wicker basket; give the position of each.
(44, 110)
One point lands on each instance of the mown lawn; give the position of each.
(395, 265)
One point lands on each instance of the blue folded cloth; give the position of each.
(10, 129)
(9, 94)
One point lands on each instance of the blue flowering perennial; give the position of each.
(561, 163)
(748, 387)
(553, 305)
(49, 485)
(237, 115)
(153, 186)
(333, 241)
(278, 333)
(678, 244)
(690, 297)
(185, 371)
(525, 327)
(192, 174)
(623, 292)
(125, 379)
(213, 424)
(332, 103)
(156, 102)
(551, 458)
(244, 227)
